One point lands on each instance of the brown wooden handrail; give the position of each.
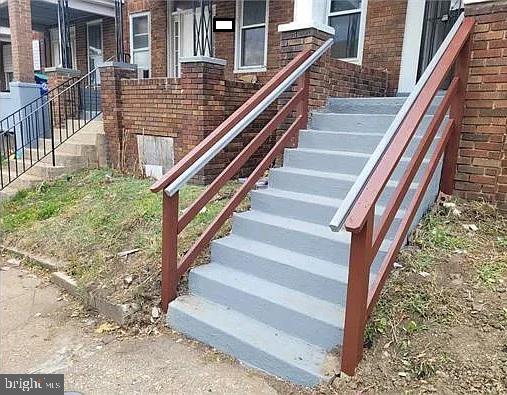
(229, 123)
(382, 174)
(368, 238)
(296, 72)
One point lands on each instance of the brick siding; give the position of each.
(482, 161)
(383, 42)
(158, 20)
(329, 76)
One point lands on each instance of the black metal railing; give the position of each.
(33, 132)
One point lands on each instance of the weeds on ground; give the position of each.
(91, 217)
(419, 297)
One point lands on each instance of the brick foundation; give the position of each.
(482, 161)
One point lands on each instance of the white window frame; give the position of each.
(54, 38)
(131, 35)
(362, 27)
(237, 47)
(88, 24)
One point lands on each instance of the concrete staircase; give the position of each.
(274, 293)
(85, 149)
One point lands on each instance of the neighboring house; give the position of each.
(274, 294)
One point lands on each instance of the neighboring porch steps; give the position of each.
(274, 293)
(84, 149)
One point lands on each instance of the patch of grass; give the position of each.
(490, 273)
(91, 217)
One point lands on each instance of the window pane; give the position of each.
(254, 12)
(141, 41)
(140, 24)
(346, 36)
(252, 46)
(142, 59)
(344, 5)
(95, 38)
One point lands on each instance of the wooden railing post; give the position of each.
(302, 109)
(357, 295)
(457, 110)
(170, 277)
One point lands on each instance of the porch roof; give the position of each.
(44, 12)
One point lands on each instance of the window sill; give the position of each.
(350, 60)
(250, 70)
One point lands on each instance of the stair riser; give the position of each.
(360, 123)
(70, 161)
(330, 163)
(20, 183)
(286, 276)
(46, 173)
(304, 243)
(231, 345)
(72, 148)
(372, 107)
(278, 316)
(323, 186)
(297, 209)
(363, 144)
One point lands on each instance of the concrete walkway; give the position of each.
(43, 330)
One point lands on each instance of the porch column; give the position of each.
(20, 21)
(118, 144)
(203, 96)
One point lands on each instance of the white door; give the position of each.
(95, 53)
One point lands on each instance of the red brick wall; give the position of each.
(20, 20)
(383, 42)
(332, 77)
(482, 162)
(158, 19)
(185, 109)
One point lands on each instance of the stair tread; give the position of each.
(287, 257)
(325, 174)
(248, 331)
(304, 304)
(314, 199)
(295, 224)
(331, 132)
(306, 197)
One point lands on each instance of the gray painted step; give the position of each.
(364, 123)
(332, 185)
(257, 344)
(277, 284)
(372, 105)
(343, 162)
(312, 208)
(315, 277)
(299, 236)
(311, 319)
(348, 141)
